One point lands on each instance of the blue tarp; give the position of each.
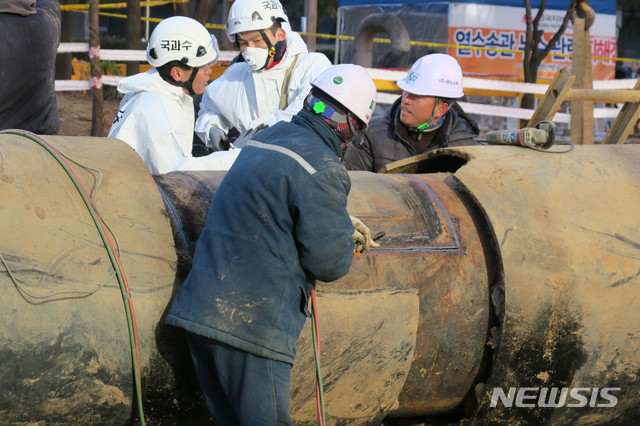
(600, 6)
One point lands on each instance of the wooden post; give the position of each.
(553, 97)
(97, 118)
(622, 126)
(582, 124)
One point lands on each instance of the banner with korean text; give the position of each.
(503, 28)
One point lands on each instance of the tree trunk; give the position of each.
(64, 69)
(97, 119)
(133, 33)
(533, 57)
(182, 9)
(203, 8)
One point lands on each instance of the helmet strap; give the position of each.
(270, 47)
(187, 85)
(432, 123)
(342, 122)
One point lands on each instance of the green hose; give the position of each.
(126, 295)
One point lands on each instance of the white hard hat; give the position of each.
(351, 86)
(436, 75)
(253, 15)
(183, 39)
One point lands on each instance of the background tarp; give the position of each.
(600, 6)
(424, 22)
(480, 25)
(503, 28)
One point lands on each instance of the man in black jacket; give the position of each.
(424, 118)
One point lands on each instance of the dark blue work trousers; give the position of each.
(241, 389)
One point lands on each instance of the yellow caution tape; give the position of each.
(83, 7)
(122, 5)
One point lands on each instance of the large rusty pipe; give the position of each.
(491, 275)
(432, 250)
(400, 42)
(64, 346)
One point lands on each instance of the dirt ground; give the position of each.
(75, 110)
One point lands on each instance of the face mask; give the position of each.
(255, 57)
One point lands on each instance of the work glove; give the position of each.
(218, 140)
(362, 236)
(246, 136)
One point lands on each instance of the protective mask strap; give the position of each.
(279, 49)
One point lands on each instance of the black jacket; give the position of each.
(387, 140)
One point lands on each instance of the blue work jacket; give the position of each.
(277, 223)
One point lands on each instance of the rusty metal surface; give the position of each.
(187, 197)
(64, 345)
(376, 363)
(549, 243)
(432, 245)
(569, 237)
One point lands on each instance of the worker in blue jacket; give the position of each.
(277, 223)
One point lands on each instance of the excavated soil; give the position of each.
(75, 110)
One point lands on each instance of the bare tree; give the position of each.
(133, 33)
(203, 9)
(533, 56)
(97, 116)
(63, 60)
(182, 9)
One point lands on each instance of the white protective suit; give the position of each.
(156, 119)
(243, 99)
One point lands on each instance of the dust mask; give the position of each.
(256, 58)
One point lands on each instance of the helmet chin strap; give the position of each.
(343, 125)
(270, 47)
(431, 124)
(187, 85)
(424, 126)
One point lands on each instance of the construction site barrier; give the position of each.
(385, 82)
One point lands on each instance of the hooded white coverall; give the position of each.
(156, 119)
(243, 99)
